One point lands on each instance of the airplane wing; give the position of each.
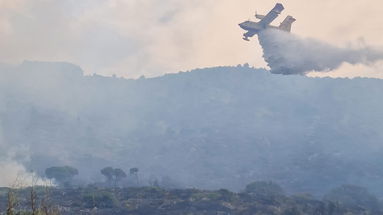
(249, 34)
(273, 14)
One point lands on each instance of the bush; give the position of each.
(352, 196)
(100, 199)
(264, 188)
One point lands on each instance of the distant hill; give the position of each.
(210, 128)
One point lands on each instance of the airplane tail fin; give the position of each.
(286, 24)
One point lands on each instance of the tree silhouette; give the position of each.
(119, 174)
(108, 172)
(61, 174)
(134, 172)
(113, 175)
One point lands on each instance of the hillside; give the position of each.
(208, 128)
(157, 201)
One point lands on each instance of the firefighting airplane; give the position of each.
(253, 28)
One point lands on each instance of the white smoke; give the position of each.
(14, 174)
(287, 53)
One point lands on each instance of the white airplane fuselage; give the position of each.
(255, 26)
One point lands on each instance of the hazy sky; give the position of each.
(131, 38)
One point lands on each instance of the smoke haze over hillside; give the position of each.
(286, 53)
(211, 128)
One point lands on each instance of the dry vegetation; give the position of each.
(256, 199)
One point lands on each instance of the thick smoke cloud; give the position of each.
(287, 53)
